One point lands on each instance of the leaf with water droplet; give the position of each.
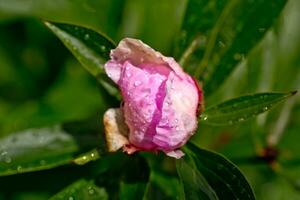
(208, 175)
(36, 149)
(231, 29)
(89, 47)
(242, 108)
(87, 157)
(81, 189)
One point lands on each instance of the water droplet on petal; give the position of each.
(137, 83)
(128, 74)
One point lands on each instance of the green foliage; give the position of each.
(51, 132)
(81, 189)
(207, 175)
(36, 149)
(242, 108)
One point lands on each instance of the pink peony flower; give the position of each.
(160, 101)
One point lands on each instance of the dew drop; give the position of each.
(261, 30)
(7, 159)
(86, 36)
(19, 168)
(241, 119)
(42, 162)
(220, 167)
(91, 190)
(237, 56)
(204, 117)
(137, 83)
(71, 198)
(265, 108)
(103, 48)
(221, 44)
(84, 157)
(128, 74)
(92, 155)
(233, 177)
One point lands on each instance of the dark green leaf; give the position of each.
(194, 185)
(213, 172)
(89, 47)
(238, 28)
(242, 108)
(241, 25)
(36, 149)
(199, 19)
(135, 180)
(81, 190)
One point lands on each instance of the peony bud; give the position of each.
(160, 100)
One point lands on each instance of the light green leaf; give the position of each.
(36, 149)
(81, 190)
(87, 157)
(242, 108)
(215, 176)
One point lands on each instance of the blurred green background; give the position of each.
(42, 84)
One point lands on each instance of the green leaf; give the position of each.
(238, 28)
(82, 190)
(89, 47)
(217, 177)
(135, 179)
(36, 149)
(199, 19)
(87, 157)
(241, 25)
(193, 183)
(242, 108)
